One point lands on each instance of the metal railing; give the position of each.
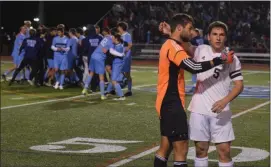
(146, 51)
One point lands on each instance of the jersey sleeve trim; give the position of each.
(235, 74)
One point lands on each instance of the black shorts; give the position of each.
(109, 60)
(173, 122)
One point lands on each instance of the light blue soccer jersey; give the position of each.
(59, 42)
(119, 48)
(17, 44)
(126, 37)
(73, 43)
(81, 38)
(106, 43)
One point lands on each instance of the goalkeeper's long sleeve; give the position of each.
(197, 67)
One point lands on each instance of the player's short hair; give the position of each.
(27, 22)
(32, 32)
(72, 30)
(180, 18)
(42, 31)
(97, 26)
(22, 28)
(197, 30)
(117, 36)
(60, 29)
(106, 29)
(61, 26)
(123, 25)
(52, 29)
(219, 24)
(79, 30)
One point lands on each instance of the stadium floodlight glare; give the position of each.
(36, 19)
(31, 27)
(84, 28)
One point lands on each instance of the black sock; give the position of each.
(14, 75)
(180, 164)
(160, 161)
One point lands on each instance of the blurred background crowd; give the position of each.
(249, 22)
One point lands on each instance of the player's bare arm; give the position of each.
(104, 50)
(221, 104)
(128, 47)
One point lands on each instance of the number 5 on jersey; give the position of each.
(216, 73)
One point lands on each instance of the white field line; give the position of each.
(63, 99)
(130, 104)
(147, 152)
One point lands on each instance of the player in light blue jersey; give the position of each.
(126, 37)
(97, 62)
(117, 66)
(72, 55)
(15, 53)
(61, 47)
(80, 35)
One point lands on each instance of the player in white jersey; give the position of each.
(210, 119)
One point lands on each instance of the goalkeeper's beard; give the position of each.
(184, 38)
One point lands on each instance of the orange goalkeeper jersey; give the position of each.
(171, 84)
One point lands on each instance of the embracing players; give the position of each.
(170, 100)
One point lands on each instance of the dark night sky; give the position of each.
(72, 14)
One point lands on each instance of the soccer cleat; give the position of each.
(4, 77)
(56, 85)
(30, 82)
(128, 94)
(113, 92)
(103, 97)
(61, 87)
(47, 84)
(119, 98)
(80, 84)
(106, 94)
(85, 92)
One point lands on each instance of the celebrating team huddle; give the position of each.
(95, 53)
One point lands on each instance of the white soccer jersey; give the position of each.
(214, 84)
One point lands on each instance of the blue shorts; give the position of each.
(61, 62)
(70, 62)
(116, 71)
(97, 66)
(50, 63)
(127, 63)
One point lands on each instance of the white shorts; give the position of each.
(207, 128)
